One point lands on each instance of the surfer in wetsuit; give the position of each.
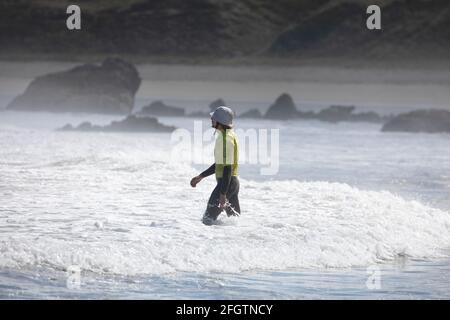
(225, 194)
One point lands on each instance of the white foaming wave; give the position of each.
(156, 228)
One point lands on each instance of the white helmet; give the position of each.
(223, 115)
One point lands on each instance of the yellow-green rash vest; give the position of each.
(226, 152)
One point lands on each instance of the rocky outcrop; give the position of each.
(432, 121)
(199, 114)
(282, 109)
(212, 106)
(215, 104)
(366, 117)
(107, 88)
(306, 115)
(129, 124)
(336, 113)
(158, 108)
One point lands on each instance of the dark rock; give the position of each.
(158, 108)
(341, 113)
(129, 124)
(306, 115)
(431, 121)
(282, 109)
(336, 113)
(366, 117)
(215, 104)
(85, 126)
(253, 114)
(108, 88)
(212, 107)
(133, 123)
(199, 114)
(386, 118)
(67, 127)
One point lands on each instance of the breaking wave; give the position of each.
(284, 225)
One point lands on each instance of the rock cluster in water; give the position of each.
(130, 124)
(432, 121)
(158, 108)
(282, 109)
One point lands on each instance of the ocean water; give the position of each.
(347, 204)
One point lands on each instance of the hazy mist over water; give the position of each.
(312, 87)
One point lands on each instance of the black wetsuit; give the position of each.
(228, 185)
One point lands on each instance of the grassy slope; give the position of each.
(221, 31)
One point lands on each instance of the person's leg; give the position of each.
(212, 208)
(234, 208)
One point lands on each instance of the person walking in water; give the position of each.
(225, 194)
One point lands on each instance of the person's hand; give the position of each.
(222, 201)
(195, 180)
